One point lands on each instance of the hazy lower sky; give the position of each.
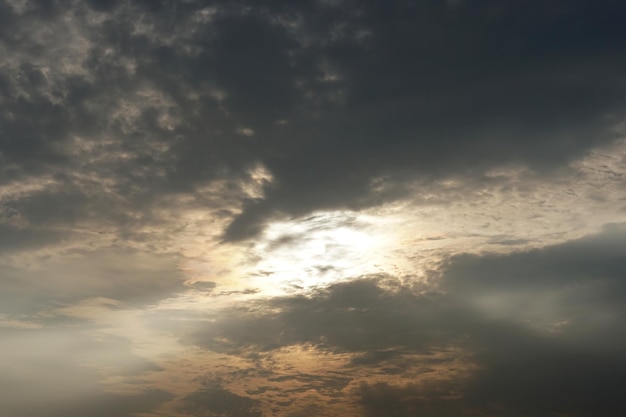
(340, 208)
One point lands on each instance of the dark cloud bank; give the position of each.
(552, 344)
(330, 95)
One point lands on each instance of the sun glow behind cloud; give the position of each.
(300, 254)
(407, 238)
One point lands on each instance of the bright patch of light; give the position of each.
(319, 250)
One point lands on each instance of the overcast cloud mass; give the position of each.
(243, 208)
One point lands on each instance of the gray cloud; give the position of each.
(100, 405)
(542, 326)
(336, 94)
(14, 238)
(578, 281)
(382, 399)
(132, 278)
(353, 317)
(57, 372)
(575, 291)
(134, 131)
(217, 401)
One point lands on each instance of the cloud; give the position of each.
(335, 98)
(575, 281)
(132, 278)
(59, 371)
(15, 239)
(383, 399)
(217, 401)
(540, 329)
(457, 94)
(572, 296)
(355, 317)
(151, 151)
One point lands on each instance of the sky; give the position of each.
(355, 208)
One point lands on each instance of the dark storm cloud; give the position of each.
(432, 91)
(544, 328)
(331, 95)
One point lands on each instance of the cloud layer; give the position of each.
(329, 207)
(124, 101)
(540, 331)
